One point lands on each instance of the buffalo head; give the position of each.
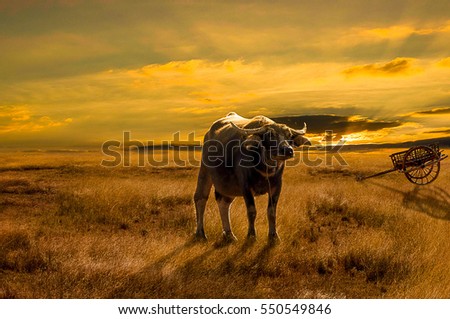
(274, 141)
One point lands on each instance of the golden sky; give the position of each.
(77, 73)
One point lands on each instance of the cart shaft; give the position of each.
(377, 174)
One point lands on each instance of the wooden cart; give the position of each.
(420, 164)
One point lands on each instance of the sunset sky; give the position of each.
(77, 73)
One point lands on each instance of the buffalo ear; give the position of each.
(300, 140)
(252, 142)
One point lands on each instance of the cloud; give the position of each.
(396, 32)
(392, 32)
(19, 119)
(157, 99)
(445, 63)
(435, 111)
(123, 35)
(54, 54)
(190, 73)
(398, 66)
(200, 110)
(443, 131)
(14, 113)
(20, 5)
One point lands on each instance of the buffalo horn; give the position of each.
(302, 131)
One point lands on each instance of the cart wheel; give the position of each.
(421, 165)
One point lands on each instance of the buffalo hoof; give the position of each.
(200, 236)
(251, 237)
(229, 238)
(274, 239)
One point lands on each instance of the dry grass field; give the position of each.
(70, 228)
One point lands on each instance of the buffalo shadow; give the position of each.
(196, 277)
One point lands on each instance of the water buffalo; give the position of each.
(244, 157)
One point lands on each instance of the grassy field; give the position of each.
(70, 228)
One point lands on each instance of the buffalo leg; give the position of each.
(251, 214)
(201, 195)
(274, 194)
(224, 203)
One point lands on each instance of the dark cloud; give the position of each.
(440, 110)
(439, 132)
(340, 125)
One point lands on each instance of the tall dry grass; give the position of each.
(72, 229)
